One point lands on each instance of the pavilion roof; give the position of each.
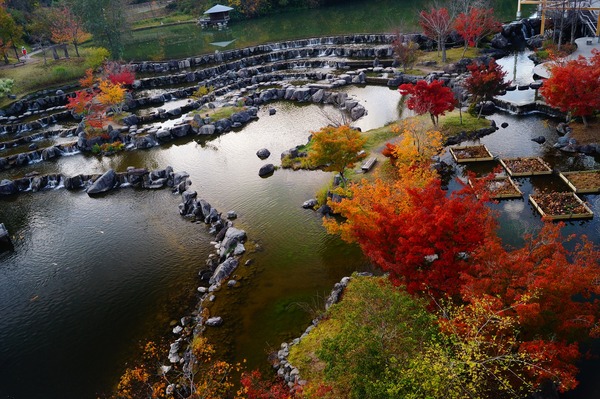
(218, 8)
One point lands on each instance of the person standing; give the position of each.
(24, 51)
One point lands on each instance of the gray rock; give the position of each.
(310, 204)
(263, 153)
(224, 270)
(207, 130)
(8, 187)
(357, 112)
(272, 111)
(239, 249)
(214, 321)
(539, 139)
(266, 170)
(231, 215)
(104, 183)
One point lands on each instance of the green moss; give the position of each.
(451, 125)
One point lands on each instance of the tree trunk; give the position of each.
(585, 123)
(76, 48)
(433, 119)
(6, 58)
(480, 110)
(16, 52)
(444, 52)
(464, 50)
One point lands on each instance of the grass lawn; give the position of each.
(34, 75)
(452, 55)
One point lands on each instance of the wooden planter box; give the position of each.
(520, 167)
(503, 187)
(560, 206)
(583, 182)
(475, 153)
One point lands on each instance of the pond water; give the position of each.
(179, 41)
(82, 288)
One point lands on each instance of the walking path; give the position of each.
(583, 48)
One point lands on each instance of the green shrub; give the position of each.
(60, 72)
(96, 56)
(5, 86)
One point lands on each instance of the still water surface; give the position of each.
(355, 16)
(91, 278)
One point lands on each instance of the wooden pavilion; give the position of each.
(216, 16)
(590, 6)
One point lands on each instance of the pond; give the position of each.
(179, 41)
(83, 289)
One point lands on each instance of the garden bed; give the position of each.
(560, 206)
(476, 153)
(502, 187)
(583, 182)
(519, 167)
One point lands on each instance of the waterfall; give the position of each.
(524, 31)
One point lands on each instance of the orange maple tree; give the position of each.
(67, 27)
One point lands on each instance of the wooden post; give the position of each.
(543, 27)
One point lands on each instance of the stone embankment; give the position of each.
(94, 184)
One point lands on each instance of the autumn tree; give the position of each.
(10, 32)
(406, 50)
(337, 148)
(573, 86)
(67, 27)
(561, 288)
(105, 20)
(437, 25)
(433, 98)
(412, 229)
(485, 81)
(476, 24)
(255, 386)
(417, 144)
(118, 73)
(99, 97)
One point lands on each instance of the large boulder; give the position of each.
(104, 183)
(224, 270)
(266, 170)
(8, 187)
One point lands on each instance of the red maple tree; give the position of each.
(574, 86)
(437, 25)
(118, 73)
(485, 81)
(475, 25)
(255, 387)
(433, 98)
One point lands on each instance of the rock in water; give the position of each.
(263, 153)
(310, 204)
(104, 183)
(267, 170)
(224, 270)
(539, 139)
